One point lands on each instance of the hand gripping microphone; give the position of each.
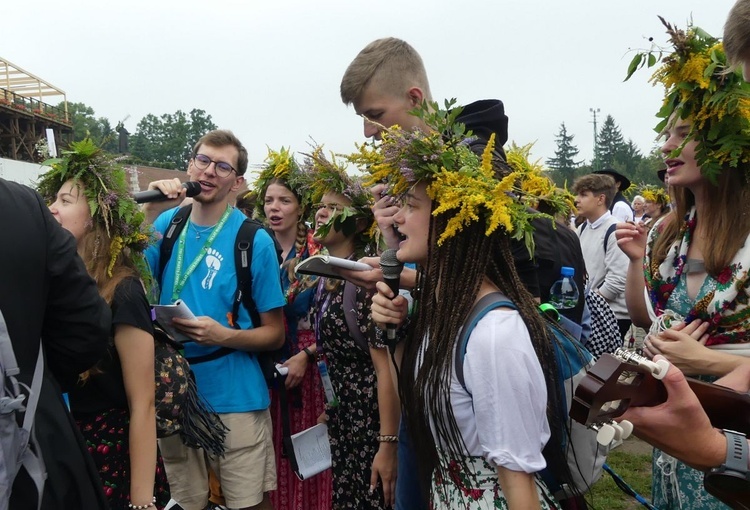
(391, 268)
(154, 195)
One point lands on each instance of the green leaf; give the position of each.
(651, 59)
(634, 64)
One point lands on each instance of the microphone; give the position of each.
(154, 195)
(391, 267)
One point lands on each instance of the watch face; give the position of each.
(730, 487)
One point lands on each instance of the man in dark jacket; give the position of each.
(47, 293)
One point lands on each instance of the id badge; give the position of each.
(327, 386)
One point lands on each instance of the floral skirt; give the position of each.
(106, 436)
(476, 488)
(676, 485)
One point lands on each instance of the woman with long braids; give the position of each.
(284, 203)
(363, 420)
(113, 404)
(481, 445)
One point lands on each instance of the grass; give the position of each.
(634, 466)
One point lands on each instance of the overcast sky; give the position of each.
(270, 71)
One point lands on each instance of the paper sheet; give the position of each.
(165, 314)
(312, 451)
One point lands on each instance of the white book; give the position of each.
(312, 450)
(164, 315)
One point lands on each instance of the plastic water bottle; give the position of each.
(564, 292)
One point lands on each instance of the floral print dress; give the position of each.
(477, 488)
(354, 424)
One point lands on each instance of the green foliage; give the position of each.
(87, 125)
(564, 165)
(610, 145)
(170, 138)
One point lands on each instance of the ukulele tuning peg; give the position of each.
(606, 434)
(627, 429)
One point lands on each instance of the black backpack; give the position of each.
(243, 256)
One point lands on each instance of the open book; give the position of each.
(163, 314)
(325, 265)
(312, 451)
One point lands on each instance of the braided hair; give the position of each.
(446, 292)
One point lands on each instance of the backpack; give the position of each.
(18, 446)
(179, 409)
(243, 256)
(585, 457)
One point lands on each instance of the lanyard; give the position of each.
(181, 279)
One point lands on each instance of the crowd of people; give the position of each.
(412, 423)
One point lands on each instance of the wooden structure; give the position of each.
(25, 116)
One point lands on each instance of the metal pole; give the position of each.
(594, 111)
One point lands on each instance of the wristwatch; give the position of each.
(731, 480)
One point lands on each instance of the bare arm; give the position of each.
(632, 241)
(136, 350)
(267, 337)
(385, 463)
(519, 489)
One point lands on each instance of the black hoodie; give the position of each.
(552, 249)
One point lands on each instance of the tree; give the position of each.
(86, 125)
(564, 164)
(168, 140)
(609, 145)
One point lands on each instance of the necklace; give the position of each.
(199, 232)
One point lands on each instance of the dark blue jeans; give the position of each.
(408, 494)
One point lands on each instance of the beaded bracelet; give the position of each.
(143, 507)
(387, 439)
(310, 356)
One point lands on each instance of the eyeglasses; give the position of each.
(202, 162)
(333, 207)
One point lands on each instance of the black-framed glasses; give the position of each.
(223, 169)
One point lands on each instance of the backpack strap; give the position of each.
(609, 232)
(243, 259)
(478, 311)
(179, 220)
(31, 458)
(350, 314)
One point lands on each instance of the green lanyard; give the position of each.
(179, 279)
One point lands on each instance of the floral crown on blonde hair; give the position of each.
(330, 176)
(105, 187)
(653, 193)
(701, 86)
(282, 165)
(462, 184)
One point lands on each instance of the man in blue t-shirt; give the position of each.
(201, 273)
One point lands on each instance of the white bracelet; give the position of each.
(143, 507)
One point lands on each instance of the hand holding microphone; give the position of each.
(192, 188)
(391, 268)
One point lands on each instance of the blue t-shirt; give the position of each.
(232, 383)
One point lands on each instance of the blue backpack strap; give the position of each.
(479, 310)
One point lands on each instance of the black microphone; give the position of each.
(391, 267)
(154, 195)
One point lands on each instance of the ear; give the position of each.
(361, 225)
(416, 96)
(238, 182)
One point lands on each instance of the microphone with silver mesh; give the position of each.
(391, 267)
(154, 195)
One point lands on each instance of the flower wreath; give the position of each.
(700, 85)
(105, 186)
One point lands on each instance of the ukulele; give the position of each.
(618, 381)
